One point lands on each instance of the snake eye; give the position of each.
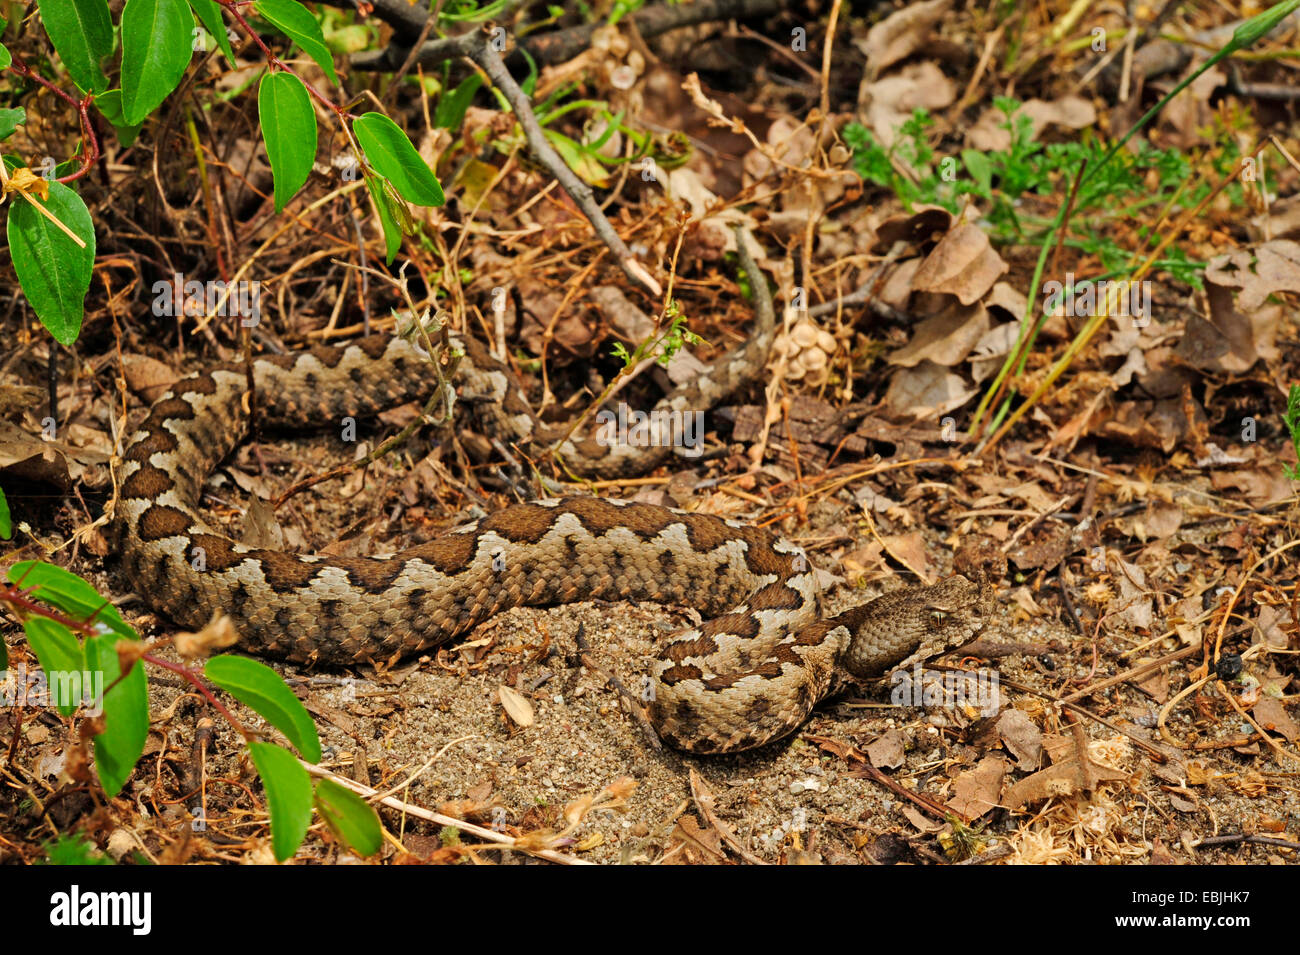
(939, 616)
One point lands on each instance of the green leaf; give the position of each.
(257, 686)
(288, 795)
(583, 162)
(126, 714)
(289, 127)
(82, 33)
(11, 119)
(392, 233)
(110, 104)
(54, 271)
(349, 817)
(453, 106)
(6, 522)
(395, 158)
(60, 655)
(65, 591)
(530, 81)
(298, 24)
(156, 48)
(5, 58)
(980, 168)
(72, 849)
(210, 16)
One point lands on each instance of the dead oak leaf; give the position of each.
(945, 339)
(1272, 715)
(1021, 737)
(1134, 606)
(1241, 326)
(964, 263)
(976, 791)
(1260, 485)
(989, 133)
(690, 844)
(261, 528)
(1063, 779)
(901, 34)
(887, 751)
(1276, 268)
(889, 103)
(927, 390)
(909, 550)
(924, 226)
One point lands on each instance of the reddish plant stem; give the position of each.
(193, 678)
(232, 6)
(82, 106)
(18, 598)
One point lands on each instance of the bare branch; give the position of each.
(554, 47)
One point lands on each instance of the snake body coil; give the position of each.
(751, 673)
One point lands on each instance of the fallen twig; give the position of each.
(554, 47)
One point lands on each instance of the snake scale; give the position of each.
(749, 674)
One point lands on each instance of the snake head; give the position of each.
(958, 609)
(958, 601)
(914, 624)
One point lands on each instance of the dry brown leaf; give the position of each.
(964, 263)
(1134, 606)
(976, 791)
(628, 322)
(16, 398)
(1150, 424)
(1276, 269)
(1275, 626)
(704, 801)
(901, 34)
(1022, 738)
(1241, 328)
(698, 846)
(919, 819)
(1033, 494)
(989, 353)
(925, 226)
(909, 550)
(945, 339)
(926, 390)
(1184, 120)
(887, 751)
(1260, 486)
(147, 377)
(857, 563)
(1043, 547)
(1061, 779)
(516, 706)
(1272, 715)
(1282, 220)
(261, 528)
(1160, 521)
(1156, 685)
(887, 104)
(218, 634)
(1072, 112)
